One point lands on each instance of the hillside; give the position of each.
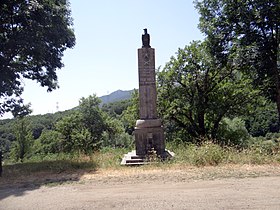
(47, 121)
(118, 95)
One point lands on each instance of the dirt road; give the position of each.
(207, 188)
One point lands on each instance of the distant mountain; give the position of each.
(118, 95)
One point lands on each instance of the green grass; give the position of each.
(57, 165)
(109, 157)
(208, 154)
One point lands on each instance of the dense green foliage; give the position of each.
(83, 130)
(117, 108)
(21, 148)
(33, 37)
(36, 124)
(249, 30)
(196, 94)
(262, 119)
(131, 114)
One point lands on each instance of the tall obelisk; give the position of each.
(148, 131)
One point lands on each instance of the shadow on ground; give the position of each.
(18, 179)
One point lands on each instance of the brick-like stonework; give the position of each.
(147, 83)
(148, 132)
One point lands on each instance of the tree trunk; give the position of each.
(278, 102)
(277, 54)
(201, 124)
(216, 126)
(277, 76)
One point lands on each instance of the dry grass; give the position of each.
(206, 162)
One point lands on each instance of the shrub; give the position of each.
(269, 145)
(233, 133)
(208, 154)
(48, 142)
(121, 140)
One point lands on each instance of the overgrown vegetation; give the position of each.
(207, 154)
(211, 154)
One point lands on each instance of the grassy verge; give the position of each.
(208, 154)
(55, 164)
(60, 163)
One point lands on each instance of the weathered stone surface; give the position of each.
(149, 133)
(147, 83)
(131, 158)
(149, 123)
(148, 139)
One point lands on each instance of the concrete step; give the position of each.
(137, 157)
(135, 161)
(132, 159)
(135, 164)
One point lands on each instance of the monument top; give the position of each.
(145, 39)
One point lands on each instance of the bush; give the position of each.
(208, 154)
(263, 119)
(48, 142)
(269, 145)
(121, 140)
(233, 133)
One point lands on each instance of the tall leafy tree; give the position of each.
(93, 117)
(33, 36)
(24, 139)
(67, 127)
(49, 142)
(83, 129)
(249, 30)
(196, 94)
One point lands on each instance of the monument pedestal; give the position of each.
(149, 136)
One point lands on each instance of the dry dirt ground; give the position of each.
(176, 187)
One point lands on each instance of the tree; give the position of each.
(115, 135)
(83, 129)
(92, 117)
(131, 114)
(21, 147)
(67, 127)
(115, 109)
(263, 119)
(249, 30)
(196, 94)
(49, 142)
(33, 36)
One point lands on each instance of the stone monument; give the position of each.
(149, 133)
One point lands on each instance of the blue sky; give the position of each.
(108, 34)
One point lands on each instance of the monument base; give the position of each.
(149, 139)
(150, 144)
(131, 159)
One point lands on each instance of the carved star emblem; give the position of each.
(146, 59)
